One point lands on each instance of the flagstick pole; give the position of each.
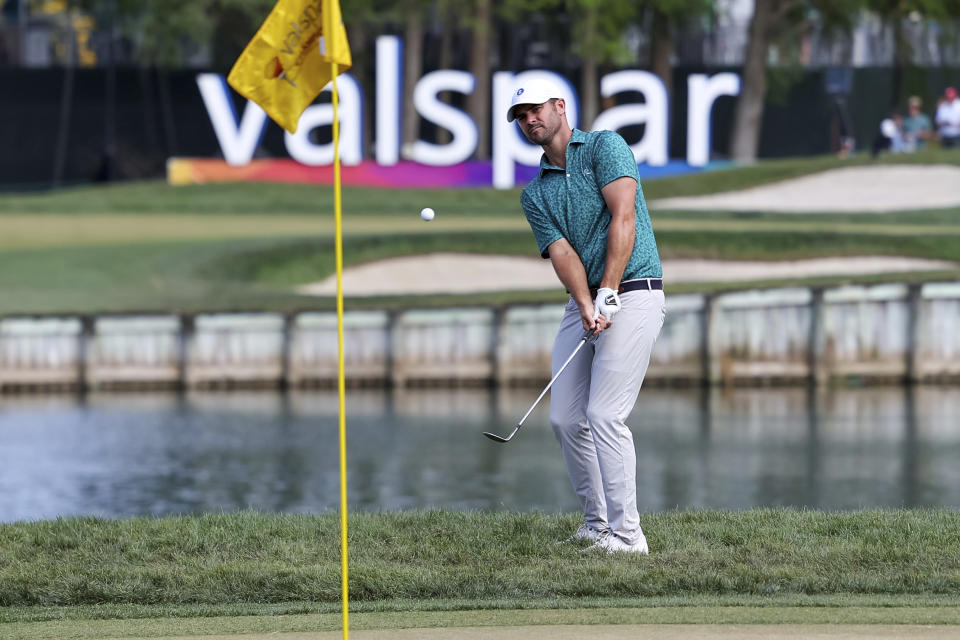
(341, 375)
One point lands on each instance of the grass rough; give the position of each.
(250, 557)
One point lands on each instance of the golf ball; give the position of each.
(427, 214)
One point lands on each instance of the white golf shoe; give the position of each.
(611, 543)
(583, 532)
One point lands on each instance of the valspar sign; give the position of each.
(240, 134)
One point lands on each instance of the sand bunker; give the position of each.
(849, 190)
(469, 273)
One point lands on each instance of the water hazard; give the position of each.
(119, 455)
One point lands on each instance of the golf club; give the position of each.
(587, 336)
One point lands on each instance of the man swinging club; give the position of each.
(588, 215)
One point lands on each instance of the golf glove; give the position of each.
(607, 304)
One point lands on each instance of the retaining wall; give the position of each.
(892, 332)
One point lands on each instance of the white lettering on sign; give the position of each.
(238, 140)
(458, 123)
(703, 91)
(653, 113)
(239, 137)
(304, 150)
(389, 97)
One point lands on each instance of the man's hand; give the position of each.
(592, 321)
(607, 304)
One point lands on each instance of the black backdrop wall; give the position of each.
(58, 126)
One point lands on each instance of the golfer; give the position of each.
(589, 217)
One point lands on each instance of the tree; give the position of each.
(665, 17)
(896, 15)
(598, 38)
(774, 21)
(160, 32)
(449, 23)
(597, 35)
(413, 33)
(768, 16)
(235, 22)
(478, 103)
(364, 22)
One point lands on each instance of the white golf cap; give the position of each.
(533, 91)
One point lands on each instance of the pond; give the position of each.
(121, 455)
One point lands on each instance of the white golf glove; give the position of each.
(607, 304)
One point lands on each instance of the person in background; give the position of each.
(948, 119)
(889, 136)
(916, 127)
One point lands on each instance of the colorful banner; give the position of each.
(409, 175)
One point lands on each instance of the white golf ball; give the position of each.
(427, 214)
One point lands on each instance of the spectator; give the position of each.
(917, 128)
(890, 135)
(948, 119)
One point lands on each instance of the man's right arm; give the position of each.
(569, 269)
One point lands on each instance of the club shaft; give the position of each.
(557, 375)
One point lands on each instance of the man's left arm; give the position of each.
(620, 196)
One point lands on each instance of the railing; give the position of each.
(893, 332)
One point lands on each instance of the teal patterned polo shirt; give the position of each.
(568, 204)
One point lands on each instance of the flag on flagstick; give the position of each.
(287, 64)
(300, 48)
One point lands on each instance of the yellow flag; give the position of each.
(335, 48)
(282, 68)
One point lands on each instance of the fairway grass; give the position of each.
(25, 231)
(261, 266)
(29, 231)
(149, 247)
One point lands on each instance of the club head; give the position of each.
(497, 438)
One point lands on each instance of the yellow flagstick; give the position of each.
(341, 374)
(296, 74)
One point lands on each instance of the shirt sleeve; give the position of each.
(545, 231)
(613, 159)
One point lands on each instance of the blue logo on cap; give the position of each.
(520, 91)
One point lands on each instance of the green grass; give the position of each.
(250, 273)
(249, 572)
(151, 247)
(252, 558)
(261, 198)
(769, 171)
(155, 622)
(258, 198)
(420, 608)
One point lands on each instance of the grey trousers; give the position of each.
(590, 402)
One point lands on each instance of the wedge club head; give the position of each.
(588, 336)
(497, 438)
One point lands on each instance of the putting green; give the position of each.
(629, 632)
(673, 622)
